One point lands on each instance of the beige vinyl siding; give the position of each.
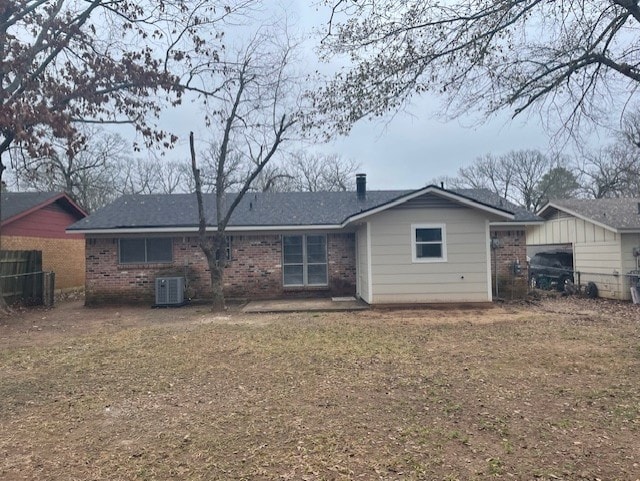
(362, 263)
(397, 279)
(568, 230)
(629, 261)
(599, 262)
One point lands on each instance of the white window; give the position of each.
(304, 260)
(428, 243)
(146, 250)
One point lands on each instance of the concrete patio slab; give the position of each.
(302, 305)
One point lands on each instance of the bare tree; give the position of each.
(88, 175)
(137, 176)
(255, 112)
(338, 173)
(521, 176)
(64, 62)
(311, 172)
(273, 178)
(612, 171)
(307, 173)
(99, 172)
(530, 167)
(173, 177)
(631, 128)
(569, 59)
(490, 172)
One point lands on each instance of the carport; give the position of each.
(550, 265)
(604, 236)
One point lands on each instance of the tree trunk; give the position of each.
(216, 274)
(215, 252)
(217, 284)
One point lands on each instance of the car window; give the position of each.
(540, 261)
(558, 260)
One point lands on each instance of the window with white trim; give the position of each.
(304, 260)
(428, 243)
(145, 250)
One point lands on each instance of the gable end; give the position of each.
(429, 201)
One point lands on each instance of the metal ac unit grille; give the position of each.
(169, 291)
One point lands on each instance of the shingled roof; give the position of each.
(491, 198)
(616, 214)
(264, 209)
(18, 204)
(15, 203)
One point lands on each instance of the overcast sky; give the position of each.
(410, 149)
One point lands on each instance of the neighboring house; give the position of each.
(604, 235)
(37, 221)
(387, 247)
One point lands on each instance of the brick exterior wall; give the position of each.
(512, 245)
(65, 257)
(342, 264)
(255, 270)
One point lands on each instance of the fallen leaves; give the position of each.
(369, 395)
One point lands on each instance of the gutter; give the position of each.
(182, 230)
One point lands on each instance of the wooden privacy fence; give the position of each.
(22, 279)
(20, 262)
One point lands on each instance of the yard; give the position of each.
(543, 391)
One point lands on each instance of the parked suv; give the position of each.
(551, 268)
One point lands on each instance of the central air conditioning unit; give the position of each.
(169, 291)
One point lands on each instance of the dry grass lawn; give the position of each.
(550, 391)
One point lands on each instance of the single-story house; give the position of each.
(37, 221)
(386, 247)
(604, 235)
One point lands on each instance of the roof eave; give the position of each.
(193, 229)
(578, 215)
(425, 190)
(518, 222)
(44, 203)
(543, 208)
(460, 198)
